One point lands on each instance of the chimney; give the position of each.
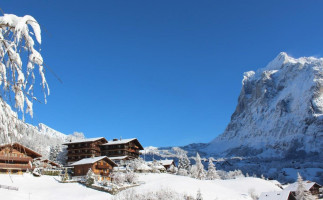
(115, 139)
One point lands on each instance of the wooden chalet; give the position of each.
(101, 166)
(85, 148)
(46, 164)
(122, 147)
(310, 186)
(16, 158)
(167, 163)
(281, 195)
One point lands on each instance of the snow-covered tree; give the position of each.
(172, 169)
(211, 172)
(118, 178)
(301, 192)
(197, 170)
(199, 195)
(17, 44)
(184, 162)
(90, 177)
(130, 177)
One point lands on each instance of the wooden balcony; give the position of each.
(102, 166)
(11, 158)
(15, 166)
(83, 148)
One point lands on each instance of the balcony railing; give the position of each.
(9, 158)
(102, 166)
(14, 166)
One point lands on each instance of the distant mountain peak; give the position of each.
(280, 106)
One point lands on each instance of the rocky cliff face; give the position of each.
(279, 111)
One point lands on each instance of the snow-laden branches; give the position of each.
(18, 61)
(17, 45)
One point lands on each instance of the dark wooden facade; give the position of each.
(101, 167)
(84, 149)
(16, 158)
(122, 147)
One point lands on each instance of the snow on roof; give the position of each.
(121, 141)
(118, 157)
(166, 162)
(144, 167)
(85, 140)
(89, 160)
(293, 187)
(282, 195)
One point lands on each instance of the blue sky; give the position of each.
(166, 72)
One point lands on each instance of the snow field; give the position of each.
(47, 187)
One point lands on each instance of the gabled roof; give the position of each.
(51, 162)
(123, 141)
(281, 195)
(118, 157)
(85, 161)
(86, 140)
(307, 184)
(22, 149)
(166, 162)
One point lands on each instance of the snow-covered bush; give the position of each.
(252, 194)
(234, 174)
(182, 172)
(90, 177)
(172, 169)
(130, 177)
(199, 195)
(118, 178)
(161, 194)
(157, 167)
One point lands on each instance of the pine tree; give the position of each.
(184, 162)
(211, 172)
(90, 177)
(301, 192)
(197, 170)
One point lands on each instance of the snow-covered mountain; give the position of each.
(279, 111)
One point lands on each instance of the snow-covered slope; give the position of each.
(47, 187)
(46, 130)
(280, 109)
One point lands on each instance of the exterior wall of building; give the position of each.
(78, 151)
(14, 161)
(128, 149)
(101, 168)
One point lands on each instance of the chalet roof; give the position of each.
(85, 161)
(293, 187)
(281, 195)
(166, 162)
(85, 140)
(123, 141)
(51, 162)
(23, 149)
(118, 157)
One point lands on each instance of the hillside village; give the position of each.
(113, 166)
